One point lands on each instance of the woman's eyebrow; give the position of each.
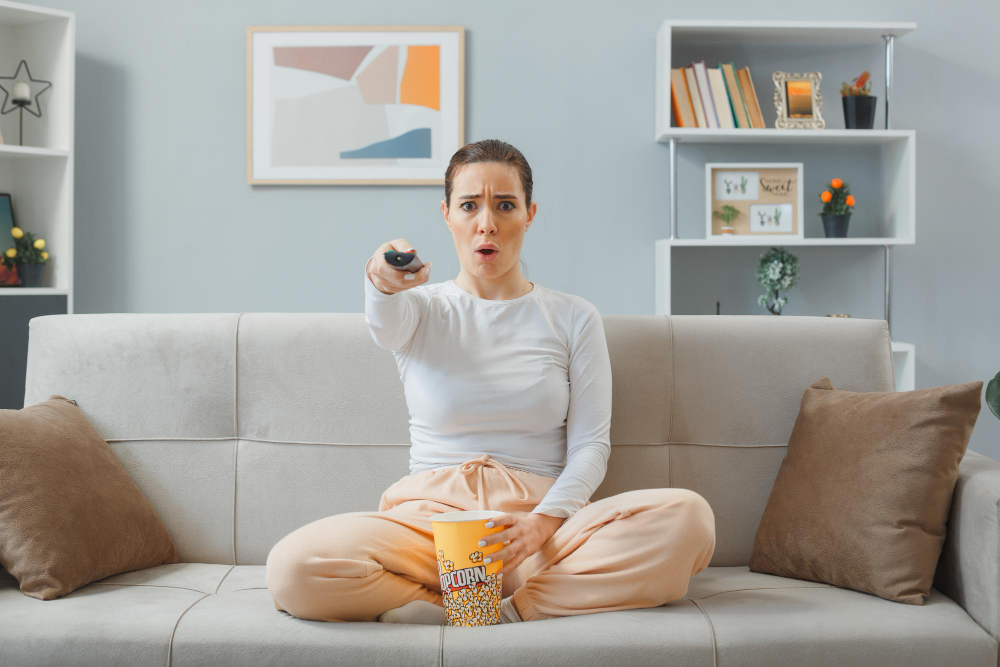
(499, 195)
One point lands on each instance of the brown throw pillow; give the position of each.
(862, 497)
(69, 512)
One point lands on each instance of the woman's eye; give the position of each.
(507, 209)
(466, 209)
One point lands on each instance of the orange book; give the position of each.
(681, 99)
(750, 97)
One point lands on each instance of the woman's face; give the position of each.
(488, 207)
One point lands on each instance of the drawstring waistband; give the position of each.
(476, 466)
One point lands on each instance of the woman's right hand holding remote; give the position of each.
(390, 280)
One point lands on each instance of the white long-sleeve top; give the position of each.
(525, 380)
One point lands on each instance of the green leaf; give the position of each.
(993, 395)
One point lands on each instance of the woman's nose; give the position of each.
(486, 220)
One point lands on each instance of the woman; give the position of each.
(508, 385)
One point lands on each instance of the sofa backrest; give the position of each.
(241, 427)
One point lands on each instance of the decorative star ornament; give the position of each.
(14, 79)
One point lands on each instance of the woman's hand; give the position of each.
(525, 534)
(389, 280)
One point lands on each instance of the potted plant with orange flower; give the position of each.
(837, 206)
(28, 256)
(859, 104)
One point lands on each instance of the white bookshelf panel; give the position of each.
(816, 34)
(19, 13)
(899, 185)
(33, 291)
(770, 135)
(747, 240)
(661, 272)
(11, 152)
(904, 360)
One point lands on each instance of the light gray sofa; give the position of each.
(241, 427)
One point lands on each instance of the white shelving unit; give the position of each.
(892, 150)
(39, 175)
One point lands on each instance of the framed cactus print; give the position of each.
(753, 199)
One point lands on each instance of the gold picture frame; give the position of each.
(290, 137)
(798, 101)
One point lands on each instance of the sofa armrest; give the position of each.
(969, 568)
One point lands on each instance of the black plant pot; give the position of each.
(835, 226)
(859, 111)
(30, 274)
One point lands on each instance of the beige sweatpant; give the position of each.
(634, 549)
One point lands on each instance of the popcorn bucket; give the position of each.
(470, 589)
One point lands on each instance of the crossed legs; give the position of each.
(634, 549)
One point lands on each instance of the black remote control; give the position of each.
(403, 261)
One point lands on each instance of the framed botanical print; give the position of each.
(354, 105)
(797, 100)
(6, 215)
(760, 199)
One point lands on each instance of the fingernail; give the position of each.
(487, 561)
(411, 250)
(500, 576)
(429, 265)
(409, 276)
(482, 543)
(489, 524)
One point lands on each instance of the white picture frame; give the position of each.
(353, 105)
(771, 188)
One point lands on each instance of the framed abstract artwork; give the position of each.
(354, 105)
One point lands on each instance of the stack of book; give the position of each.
(716, 97)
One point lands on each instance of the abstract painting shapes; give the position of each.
(415, 143)
(421, 82)
(353, 104)
(378, 80)
(302, 134)
(338, 61)
(404, 117)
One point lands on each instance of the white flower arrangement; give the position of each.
(777, 270)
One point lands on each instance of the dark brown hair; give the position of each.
(489, 150)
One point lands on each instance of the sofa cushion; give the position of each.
(241, 627)
(69, 512)
(769, 621)
(200, 614)
(861, 499)
(99, 625)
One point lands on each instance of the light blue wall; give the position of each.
(166, 222)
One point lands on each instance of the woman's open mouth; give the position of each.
(487, 254)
